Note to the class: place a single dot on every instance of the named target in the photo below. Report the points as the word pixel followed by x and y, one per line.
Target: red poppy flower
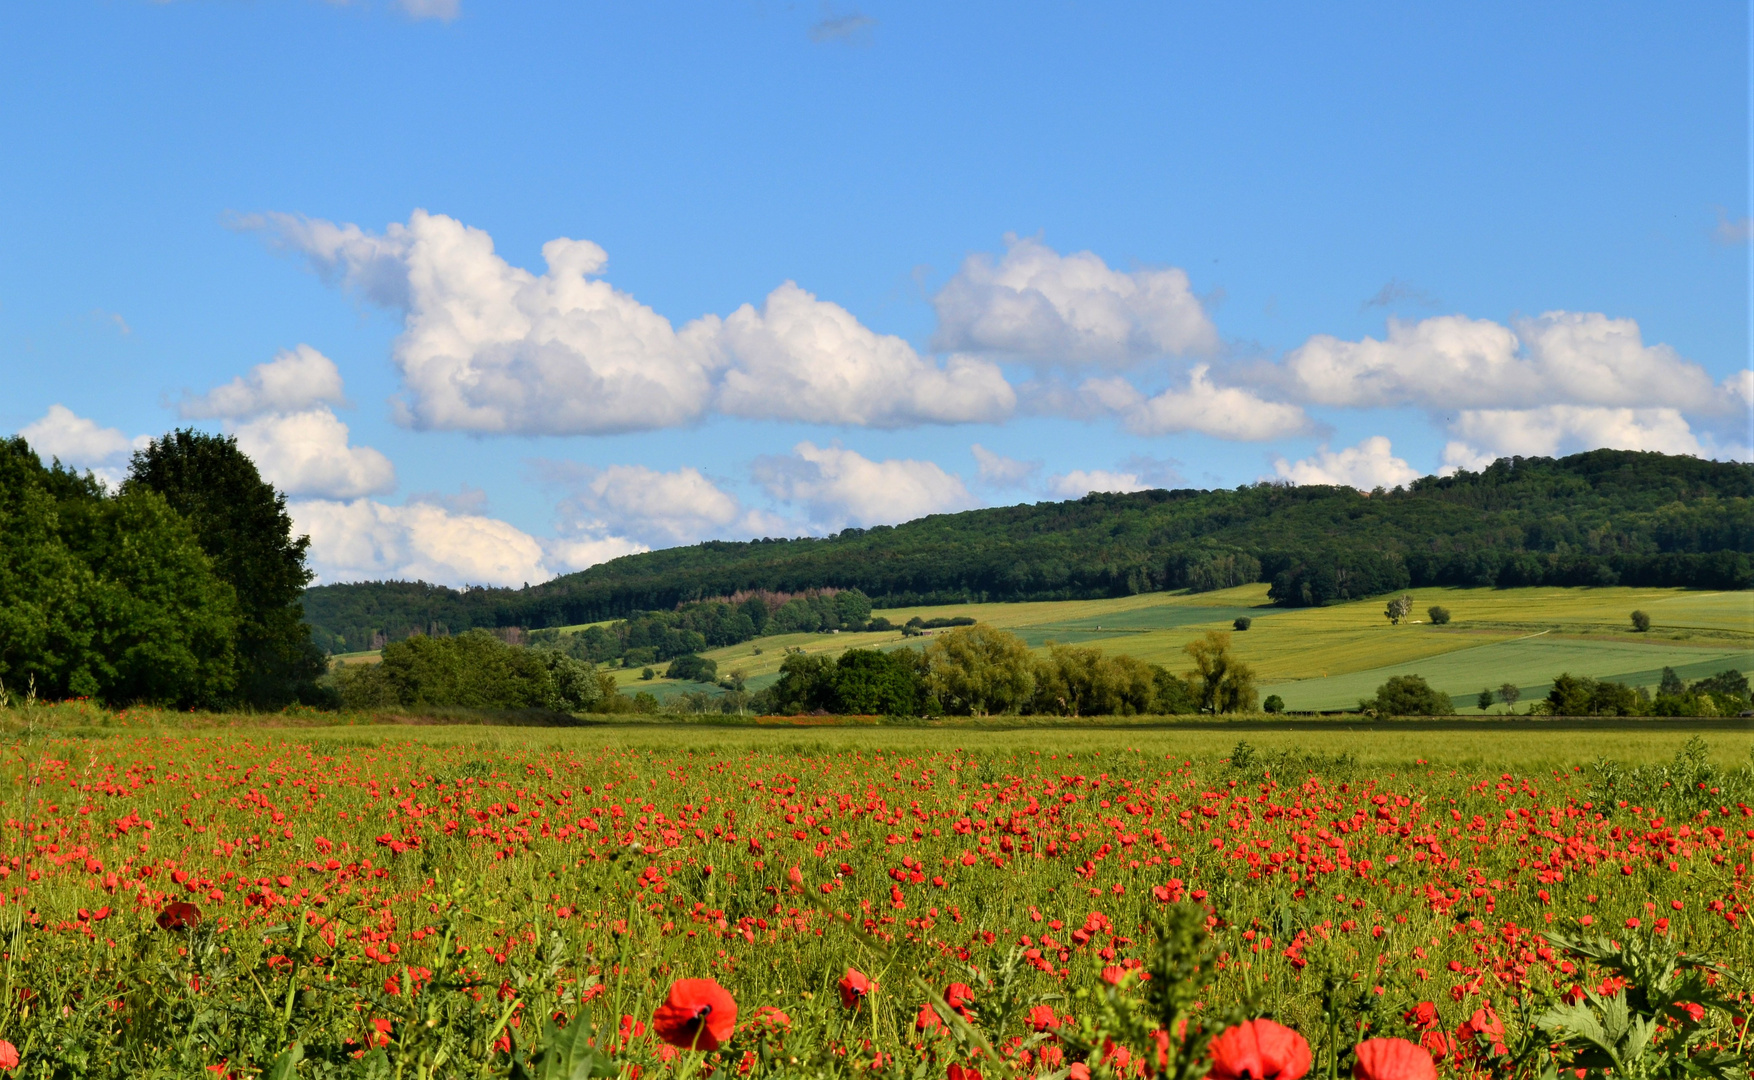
pixel 769 1020
pixel 959 1072
pixel 179 915
pixel 928 1019
pixel 1259 1050
pixel 959 996
pixel 8 1056
pixel 853 988
pixel 697 1014
pixel 1392 1059
pixel 1042 1018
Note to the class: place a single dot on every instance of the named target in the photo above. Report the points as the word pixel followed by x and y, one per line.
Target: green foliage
pixel 1399 608
pixel 1723 694
pixel 1409 695
pixel 102 597
pixel 1604 517
pixel 1221 683
pixel 1484 701
pixel 1654 1025
pixel 1081 681
pixel 1640 621
pixel 978 670
pixel 693 668
pixel 1242 622
pixel 475 671
pixel 241 523
pixel 1582 696
pixel 1438 614
pixel 862 682
pixel 1274 704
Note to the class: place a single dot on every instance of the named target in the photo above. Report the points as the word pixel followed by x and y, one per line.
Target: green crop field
pixel 1330 657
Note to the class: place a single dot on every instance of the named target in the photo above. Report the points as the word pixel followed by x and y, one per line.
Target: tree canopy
pixel 1605 517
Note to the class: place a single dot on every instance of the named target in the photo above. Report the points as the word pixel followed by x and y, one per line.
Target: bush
pixel 1439 615
pixel 473 671
pixel 1243 622
pixel 1640 621
pixel 1574 696
pixel 1274 704
pixel 693 668
pixel 1409 695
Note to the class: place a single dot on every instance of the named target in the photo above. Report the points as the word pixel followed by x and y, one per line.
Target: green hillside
pixel 1597 519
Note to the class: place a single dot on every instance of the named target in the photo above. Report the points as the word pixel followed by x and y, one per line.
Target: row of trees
pixel 979 671
pixel 181 588
pixel 655 636
pixel 1723 694
pixel 477 671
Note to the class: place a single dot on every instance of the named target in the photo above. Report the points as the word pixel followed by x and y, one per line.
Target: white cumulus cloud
pixel 1081 482
pixel 297 378
pixel 491 347
pixel 1367 466
pixel 1036 304
pixel 1450 361
pixel 840 487
pixel 1224 412
pixel 1486 434
pixel 307 453
pixel 81 443
pixel 800 358
pixel 651 506
pixel 364 540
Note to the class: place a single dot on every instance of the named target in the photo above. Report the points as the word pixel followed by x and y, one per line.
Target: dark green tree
pixel 1484 701
pixel 241 523
pixel 1640 621
pixel 1274 704
pixel 1671 683
pixel 1410 695
pixel 1439 615
pixel 165 624
pixel 867 682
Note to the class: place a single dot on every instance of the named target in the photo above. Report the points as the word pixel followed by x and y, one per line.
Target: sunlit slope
pixel 1327 658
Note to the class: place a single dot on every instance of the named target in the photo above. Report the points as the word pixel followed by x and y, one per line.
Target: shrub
pixel 1274 704
pixel 693 668
pixel 472 671
pixel 1409 695
pixel 1575 696
pixel 1640 621
pixel 1439 615
pixel 1243 622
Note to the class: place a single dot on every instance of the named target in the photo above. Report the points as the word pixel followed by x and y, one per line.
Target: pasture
pixel 1329 657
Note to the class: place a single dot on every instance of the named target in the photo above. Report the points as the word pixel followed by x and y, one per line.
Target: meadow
pixel 1328 658
pixel 448 901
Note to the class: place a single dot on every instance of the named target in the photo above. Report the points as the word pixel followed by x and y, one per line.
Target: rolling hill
pixel 1602 518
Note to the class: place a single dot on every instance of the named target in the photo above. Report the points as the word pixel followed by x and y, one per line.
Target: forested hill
pixel 1605 517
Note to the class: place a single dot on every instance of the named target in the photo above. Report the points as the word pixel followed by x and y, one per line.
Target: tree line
pixel 1601 518
pixel 182 587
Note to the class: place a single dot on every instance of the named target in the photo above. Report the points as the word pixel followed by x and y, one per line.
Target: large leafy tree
pixel 241 523
pixel 102 597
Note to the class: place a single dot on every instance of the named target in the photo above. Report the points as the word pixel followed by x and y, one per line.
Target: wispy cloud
pixel 853 28
pixel 1733 231
pixel 1397 293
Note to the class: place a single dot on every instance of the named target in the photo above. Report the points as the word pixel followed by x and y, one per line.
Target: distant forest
pixel 1602 518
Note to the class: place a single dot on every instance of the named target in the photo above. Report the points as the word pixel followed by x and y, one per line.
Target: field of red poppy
pixel 324 904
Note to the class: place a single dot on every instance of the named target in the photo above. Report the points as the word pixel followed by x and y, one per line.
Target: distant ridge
pixel 1599 518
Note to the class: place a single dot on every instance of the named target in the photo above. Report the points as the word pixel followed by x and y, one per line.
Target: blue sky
pixel 1110 245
